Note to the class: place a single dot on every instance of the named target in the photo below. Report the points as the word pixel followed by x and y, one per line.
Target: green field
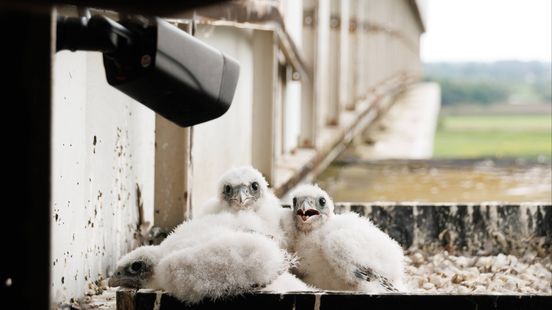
pixel 527 136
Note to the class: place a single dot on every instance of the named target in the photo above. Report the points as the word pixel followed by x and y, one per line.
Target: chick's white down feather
pixel 288 282
pixel 345 251
pixel 230 263
pixel 201 230
pixel 234 263
pixel 267 206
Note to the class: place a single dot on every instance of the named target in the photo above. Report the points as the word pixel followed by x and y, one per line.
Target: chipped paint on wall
pixel 103 148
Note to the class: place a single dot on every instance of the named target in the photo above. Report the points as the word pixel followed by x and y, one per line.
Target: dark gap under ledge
pixel 128 299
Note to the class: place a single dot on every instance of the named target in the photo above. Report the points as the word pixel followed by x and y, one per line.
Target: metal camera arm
pixel 97 33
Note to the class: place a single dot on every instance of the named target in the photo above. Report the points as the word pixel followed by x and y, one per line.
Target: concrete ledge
pixel 477 229
pixel 482 228
pixel 147 300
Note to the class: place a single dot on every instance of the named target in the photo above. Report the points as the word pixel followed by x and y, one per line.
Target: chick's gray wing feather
pixel 367 274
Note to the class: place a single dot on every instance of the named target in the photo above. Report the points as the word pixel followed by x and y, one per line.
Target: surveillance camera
pixel 159 65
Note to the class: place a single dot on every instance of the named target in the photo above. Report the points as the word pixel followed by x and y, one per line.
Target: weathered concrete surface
pixel 102 174
pixel 336 300
pixel 484 228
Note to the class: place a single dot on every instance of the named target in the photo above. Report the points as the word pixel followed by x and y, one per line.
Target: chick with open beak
pixel 311 207
pixel 342 251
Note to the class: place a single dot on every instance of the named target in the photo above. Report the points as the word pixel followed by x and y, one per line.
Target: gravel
pixel 98 296
pixel 435 273
pixel 494 274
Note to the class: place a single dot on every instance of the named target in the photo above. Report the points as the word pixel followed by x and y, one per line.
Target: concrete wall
pixel 103 147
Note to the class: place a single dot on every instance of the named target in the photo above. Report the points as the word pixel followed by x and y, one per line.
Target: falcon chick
pixel 241 188
pixel 342 251
pixel 244 189
pixel 234 263
pixel 136 269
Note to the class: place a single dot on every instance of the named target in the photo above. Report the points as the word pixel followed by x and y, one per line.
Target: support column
pixel 333 109
pixel 265 79
pixel 172 173
pixel 307 136
pixel 353 51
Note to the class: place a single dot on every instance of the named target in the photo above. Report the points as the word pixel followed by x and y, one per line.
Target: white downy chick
pixel 235 262
pixel 244 189
pixel 136 269
pixel 345 251
pixel 239 189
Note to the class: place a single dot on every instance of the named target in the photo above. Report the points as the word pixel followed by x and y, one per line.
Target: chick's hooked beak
pixel 119 279
pixel 307 209
pixel 242 197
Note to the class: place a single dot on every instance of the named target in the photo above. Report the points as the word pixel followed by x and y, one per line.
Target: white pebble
pixel 437 280
pixel 417 258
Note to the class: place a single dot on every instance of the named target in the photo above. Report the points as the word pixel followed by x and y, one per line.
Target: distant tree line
pixel 498 82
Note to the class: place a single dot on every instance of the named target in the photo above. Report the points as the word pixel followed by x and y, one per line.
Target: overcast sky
pixel 487 30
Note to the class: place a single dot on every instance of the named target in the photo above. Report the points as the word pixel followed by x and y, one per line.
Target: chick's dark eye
pixel 136 266
pixel 322 201
pixel 255 186
pixel 294 201
pixel 227 189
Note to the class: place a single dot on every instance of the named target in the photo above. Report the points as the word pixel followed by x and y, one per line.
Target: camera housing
pixel 171 72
